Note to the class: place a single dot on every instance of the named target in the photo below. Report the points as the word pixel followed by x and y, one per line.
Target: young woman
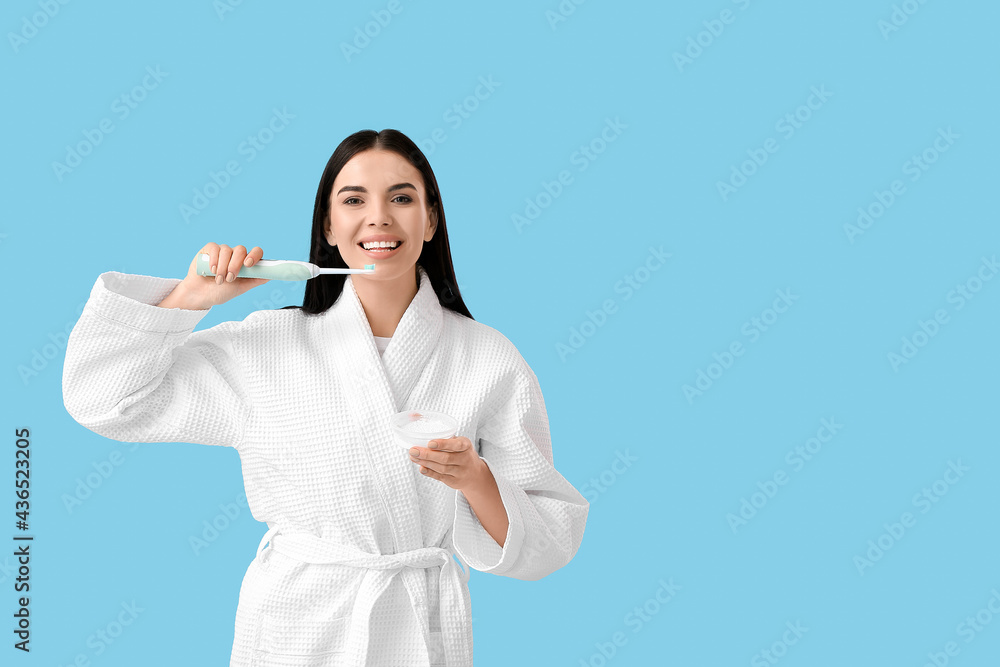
pixel 362 534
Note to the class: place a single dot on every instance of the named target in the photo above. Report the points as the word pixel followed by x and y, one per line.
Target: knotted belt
pixel 381 570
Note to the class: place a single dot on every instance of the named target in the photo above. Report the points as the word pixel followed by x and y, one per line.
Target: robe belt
pixel 382 569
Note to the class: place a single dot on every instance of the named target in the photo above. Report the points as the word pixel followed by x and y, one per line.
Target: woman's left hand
pixel 453 461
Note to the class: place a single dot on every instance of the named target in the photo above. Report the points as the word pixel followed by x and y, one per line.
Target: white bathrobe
pixel 359 569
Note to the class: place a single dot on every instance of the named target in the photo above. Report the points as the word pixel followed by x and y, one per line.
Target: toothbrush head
pixel 369 267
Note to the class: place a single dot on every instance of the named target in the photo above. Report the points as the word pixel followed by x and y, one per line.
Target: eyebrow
pixel 360 188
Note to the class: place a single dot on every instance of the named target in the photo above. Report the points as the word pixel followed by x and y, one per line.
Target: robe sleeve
pixel 546 514
pixel 136 372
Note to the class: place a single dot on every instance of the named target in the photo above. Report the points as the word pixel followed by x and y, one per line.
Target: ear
pixel 432 226
pixel 328 231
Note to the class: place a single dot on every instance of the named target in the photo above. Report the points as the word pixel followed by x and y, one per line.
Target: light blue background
pixel 664 517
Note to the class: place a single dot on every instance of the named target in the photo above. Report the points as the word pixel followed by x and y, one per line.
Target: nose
pixel 379 216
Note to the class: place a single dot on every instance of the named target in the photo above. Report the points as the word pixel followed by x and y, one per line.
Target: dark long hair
pixel 435 257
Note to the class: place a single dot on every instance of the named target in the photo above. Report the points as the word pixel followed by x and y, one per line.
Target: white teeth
pixel 380 244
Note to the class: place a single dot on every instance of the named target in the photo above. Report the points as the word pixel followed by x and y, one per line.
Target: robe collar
pixel 411 344
pixel 375 388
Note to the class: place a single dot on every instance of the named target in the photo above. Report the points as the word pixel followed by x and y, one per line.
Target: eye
pixel 406 197
pixel 350 198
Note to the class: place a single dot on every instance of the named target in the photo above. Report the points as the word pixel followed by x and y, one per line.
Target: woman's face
pixel 379 196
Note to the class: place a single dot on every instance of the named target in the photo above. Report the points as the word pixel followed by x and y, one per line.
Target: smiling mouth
pixel 380 247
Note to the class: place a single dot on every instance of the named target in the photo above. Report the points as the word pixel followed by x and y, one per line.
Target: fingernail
pixel 414 452
pixel 213 268
pixel 229 277
pixel 433 444
pixel 247 261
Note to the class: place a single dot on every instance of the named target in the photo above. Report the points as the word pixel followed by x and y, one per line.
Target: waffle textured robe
pixel 365 560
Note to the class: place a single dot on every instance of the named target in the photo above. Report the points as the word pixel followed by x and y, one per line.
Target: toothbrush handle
pixel 272 269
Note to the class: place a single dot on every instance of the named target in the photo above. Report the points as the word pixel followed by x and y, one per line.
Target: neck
pixel 385 301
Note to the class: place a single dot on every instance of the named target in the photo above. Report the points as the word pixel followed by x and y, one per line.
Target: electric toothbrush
pixel 279 269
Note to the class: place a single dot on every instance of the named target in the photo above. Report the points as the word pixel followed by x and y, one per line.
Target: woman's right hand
pixel 202 292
